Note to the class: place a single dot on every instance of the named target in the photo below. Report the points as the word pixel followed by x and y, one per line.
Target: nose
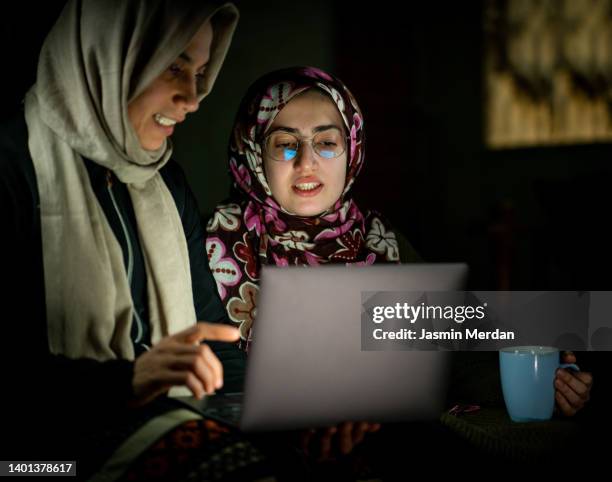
pixel 186 96
pixel 306 158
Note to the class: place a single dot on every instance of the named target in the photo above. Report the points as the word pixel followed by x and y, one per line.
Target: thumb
pixel 568 357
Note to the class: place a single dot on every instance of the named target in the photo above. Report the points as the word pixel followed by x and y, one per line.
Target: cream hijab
pixel 98 57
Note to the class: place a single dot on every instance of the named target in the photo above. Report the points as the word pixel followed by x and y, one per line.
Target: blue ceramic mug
pixel 527 378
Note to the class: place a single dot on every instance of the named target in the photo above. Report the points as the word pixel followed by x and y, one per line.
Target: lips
pixel 166 121
pixel 166 124
pixel 307 186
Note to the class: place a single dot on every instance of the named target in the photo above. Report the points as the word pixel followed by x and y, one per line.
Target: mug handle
pixel 571 366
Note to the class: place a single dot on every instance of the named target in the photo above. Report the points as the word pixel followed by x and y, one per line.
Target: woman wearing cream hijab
pixel 103 241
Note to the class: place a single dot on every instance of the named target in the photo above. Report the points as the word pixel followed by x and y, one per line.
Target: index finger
pixel 208 331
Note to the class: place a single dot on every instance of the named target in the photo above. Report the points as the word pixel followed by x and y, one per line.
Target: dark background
pixel 523 218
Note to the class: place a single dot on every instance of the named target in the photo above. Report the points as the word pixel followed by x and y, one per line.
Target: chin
pixel 308 212
pixel 152 145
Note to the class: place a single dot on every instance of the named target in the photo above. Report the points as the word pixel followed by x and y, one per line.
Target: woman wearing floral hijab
pixel 296 150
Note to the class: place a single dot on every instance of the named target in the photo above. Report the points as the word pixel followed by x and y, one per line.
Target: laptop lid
pixel 306 367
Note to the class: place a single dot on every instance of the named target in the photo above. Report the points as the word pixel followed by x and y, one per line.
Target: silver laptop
pixel 306 367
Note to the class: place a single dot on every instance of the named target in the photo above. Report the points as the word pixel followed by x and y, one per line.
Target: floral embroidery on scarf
pixel 294 240
pixel 251 218
pixel 226 215
pixel 225 270
pixel 241 174
pixel 333 232
pixel 382 241
pixel 350 246
pixel 370 260
pixel 243 308
pixel 337 98
pixel 253 155
pixel 245 252
pixel 280 260
pixel 337 214
pixel 347 216
pixel 271 215
pixel 275 99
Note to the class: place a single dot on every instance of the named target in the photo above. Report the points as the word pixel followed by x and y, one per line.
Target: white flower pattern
pixel 225 270
pixel 254 158
pixel 226 215
pixel 381 241
pixel 275 100
pixel 337 97
pixel 294 240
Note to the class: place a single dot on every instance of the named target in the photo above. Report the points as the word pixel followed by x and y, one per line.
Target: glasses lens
pixel 282 146
pixel 329 144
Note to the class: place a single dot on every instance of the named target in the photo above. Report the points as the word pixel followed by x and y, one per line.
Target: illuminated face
pixel 173 94
pixel 306 178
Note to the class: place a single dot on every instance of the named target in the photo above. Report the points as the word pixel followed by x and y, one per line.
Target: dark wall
pixel 523 219
pixel 417 76
pixel 23 27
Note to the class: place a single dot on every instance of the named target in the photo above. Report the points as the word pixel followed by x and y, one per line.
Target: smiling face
pixel 310 183
pixel 173 94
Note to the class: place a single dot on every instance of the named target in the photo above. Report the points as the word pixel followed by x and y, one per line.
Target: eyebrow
pixel 316 130
pixel 188 59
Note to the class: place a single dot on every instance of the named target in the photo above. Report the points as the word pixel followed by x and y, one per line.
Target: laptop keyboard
pixel 223 408
pixel 230 413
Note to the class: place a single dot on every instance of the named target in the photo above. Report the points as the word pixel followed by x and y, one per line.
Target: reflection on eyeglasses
pixel 284 146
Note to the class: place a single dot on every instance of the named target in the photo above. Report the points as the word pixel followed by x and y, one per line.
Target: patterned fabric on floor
pixel 201 450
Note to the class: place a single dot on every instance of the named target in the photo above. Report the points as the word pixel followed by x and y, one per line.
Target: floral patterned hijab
pixel 253 229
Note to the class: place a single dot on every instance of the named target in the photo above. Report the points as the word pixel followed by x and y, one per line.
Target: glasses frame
pixel 303 141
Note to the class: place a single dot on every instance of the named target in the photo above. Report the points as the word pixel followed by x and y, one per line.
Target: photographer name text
pixel 414 313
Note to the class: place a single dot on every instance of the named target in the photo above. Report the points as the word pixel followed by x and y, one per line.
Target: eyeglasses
pixel 284 146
